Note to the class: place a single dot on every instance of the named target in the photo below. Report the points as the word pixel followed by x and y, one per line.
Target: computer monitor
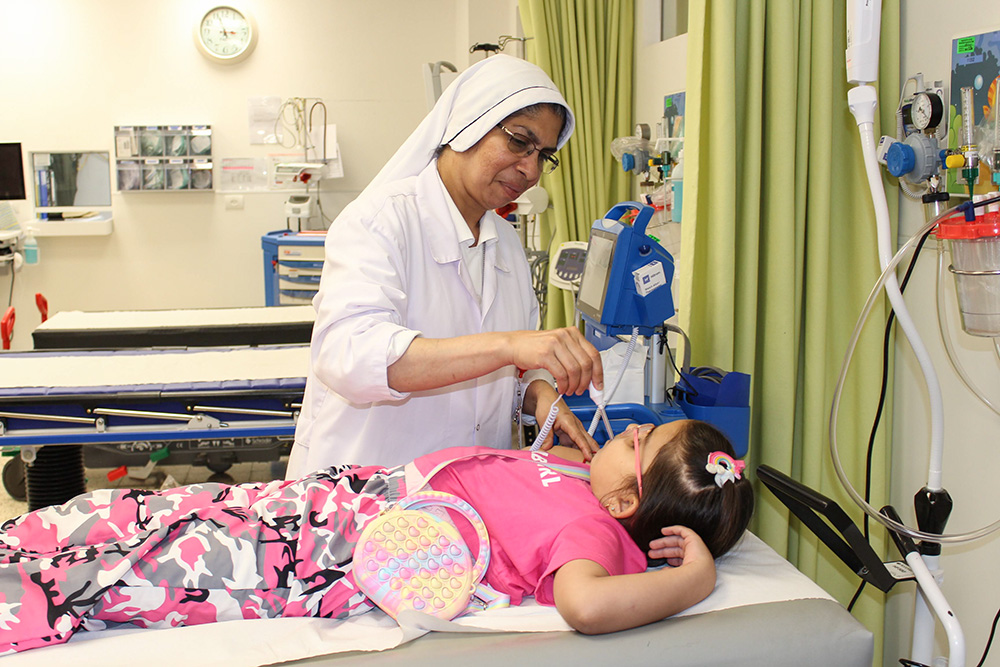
pixel 11 172
pixel 596 273
pixel 626 278
pixel 71 182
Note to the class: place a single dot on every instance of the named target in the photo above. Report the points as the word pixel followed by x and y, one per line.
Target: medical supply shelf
pixel 293 263
pixel 163 158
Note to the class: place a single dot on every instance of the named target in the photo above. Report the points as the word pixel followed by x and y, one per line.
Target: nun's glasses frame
pixel 522 146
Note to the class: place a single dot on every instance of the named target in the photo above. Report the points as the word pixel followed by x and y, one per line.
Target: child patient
pixel 213 552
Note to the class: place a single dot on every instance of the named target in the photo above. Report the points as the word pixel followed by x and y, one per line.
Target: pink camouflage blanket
pixel 195 554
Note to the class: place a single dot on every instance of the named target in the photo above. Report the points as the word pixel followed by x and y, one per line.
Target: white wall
pixel 971 453
pixel 73 69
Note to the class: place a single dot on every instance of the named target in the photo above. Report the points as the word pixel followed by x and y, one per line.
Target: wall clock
pixel 225 34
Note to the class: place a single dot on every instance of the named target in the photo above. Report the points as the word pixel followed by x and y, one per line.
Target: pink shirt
pixel 538 519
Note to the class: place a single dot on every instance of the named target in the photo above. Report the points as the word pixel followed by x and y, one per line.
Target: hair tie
pixel 724 467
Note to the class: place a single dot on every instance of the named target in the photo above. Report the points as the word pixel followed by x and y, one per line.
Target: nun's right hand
pixel 573 362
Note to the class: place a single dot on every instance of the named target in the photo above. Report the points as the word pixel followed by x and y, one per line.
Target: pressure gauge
pixel 926 111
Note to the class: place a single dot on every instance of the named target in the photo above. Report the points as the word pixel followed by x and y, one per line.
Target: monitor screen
pixel 74 180
pixel 11 172
pixel 596 272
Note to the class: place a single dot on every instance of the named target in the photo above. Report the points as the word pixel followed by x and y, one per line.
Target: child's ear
pixel 622 504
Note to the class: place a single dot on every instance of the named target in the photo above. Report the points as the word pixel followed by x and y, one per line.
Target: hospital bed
pixel 199 327
pixel 173 405
pixel 182 328
pixel 763 611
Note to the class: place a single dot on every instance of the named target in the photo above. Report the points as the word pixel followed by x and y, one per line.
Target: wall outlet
pixel 234 202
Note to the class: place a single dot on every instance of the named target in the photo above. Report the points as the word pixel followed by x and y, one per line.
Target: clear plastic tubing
pixel 901 528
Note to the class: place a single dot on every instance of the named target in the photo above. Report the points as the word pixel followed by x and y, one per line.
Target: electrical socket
pixel 234 202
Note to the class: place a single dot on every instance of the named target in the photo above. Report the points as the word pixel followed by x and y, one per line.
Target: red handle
pixel 7 327
pixel 43 305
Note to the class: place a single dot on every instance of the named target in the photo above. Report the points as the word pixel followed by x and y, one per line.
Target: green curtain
pixel 778 250
pixel 586 47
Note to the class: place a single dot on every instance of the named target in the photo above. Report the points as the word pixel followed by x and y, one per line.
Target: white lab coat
pixel 393 271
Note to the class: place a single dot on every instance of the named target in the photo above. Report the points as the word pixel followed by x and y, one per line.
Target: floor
pixel 161 477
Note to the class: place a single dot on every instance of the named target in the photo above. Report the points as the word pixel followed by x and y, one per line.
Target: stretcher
pixel 200 327
pixel 763 611
pixel 202 405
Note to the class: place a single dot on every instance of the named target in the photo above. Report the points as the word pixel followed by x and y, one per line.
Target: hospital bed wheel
pixel 55 476
pixel 217 462
pixel 14 481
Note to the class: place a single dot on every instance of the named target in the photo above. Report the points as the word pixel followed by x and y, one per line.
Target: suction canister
pixel 975 263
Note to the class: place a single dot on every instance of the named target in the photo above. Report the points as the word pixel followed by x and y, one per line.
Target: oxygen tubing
pixel 901 528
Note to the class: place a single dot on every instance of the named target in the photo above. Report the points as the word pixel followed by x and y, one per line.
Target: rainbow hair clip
pixel 724 467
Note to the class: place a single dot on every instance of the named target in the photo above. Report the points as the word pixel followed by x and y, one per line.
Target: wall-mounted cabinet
pixel 163 158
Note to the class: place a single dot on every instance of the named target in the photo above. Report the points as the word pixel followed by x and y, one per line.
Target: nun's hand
pixel 573 362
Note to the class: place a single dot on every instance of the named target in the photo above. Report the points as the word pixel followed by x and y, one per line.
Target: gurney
pixel 762 612
pixel 200 327
pixel 210 404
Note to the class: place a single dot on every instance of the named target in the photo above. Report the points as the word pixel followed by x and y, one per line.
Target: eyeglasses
pixel 638 460
pixel 522 146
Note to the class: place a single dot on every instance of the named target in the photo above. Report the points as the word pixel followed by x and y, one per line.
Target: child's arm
pixel 594 602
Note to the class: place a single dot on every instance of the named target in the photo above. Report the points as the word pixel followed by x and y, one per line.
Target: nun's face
pixel 489 175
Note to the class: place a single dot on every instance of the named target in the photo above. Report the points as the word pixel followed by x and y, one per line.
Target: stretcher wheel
pixel 55 476
pixel 221 462
pixel 14 481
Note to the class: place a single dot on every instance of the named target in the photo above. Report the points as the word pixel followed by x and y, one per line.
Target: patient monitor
pixel 627 275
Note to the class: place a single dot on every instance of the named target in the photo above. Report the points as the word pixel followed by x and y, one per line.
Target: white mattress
pixel 143 368
pixel 751 574
pixel 127 319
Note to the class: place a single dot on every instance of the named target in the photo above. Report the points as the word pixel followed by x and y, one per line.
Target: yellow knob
pixel 954 161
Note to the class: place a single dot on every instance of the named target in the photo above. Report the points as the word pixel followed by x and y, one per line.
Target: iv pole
pixel 932 503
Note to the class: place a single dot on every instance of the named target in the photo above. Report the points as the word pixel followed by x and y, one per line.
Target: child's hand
pixel 679 546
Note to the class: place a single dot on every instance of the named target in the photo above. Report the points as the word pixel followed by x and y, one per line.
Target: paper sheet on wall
pixel 242 174
pixel 263 119
pixel 325 145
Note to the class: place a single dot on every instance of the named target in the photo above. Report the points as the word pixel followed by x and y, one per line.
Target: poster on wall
pixel 673 115
pixel 975 65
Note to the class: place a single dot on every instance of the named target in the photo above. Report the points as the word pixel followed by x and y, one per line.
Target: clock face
pixel 225 34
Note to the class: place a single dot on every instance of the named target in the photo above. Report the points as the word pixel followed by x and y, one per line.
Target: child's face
pixel 615 461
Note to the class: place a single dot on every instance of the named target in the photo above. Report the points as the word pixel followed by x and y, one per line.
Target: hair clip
pixel 724 467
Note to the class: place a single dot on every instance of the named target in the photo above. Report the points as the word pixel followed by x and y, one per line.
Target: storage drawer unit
pixel 293 263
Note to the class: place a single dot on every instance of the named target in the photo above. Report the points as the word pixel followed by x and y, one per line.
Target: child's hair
pixel 678 490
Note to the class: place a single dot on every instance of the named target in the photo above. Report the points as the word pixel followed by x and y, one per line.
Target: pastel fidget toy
pixel 408 559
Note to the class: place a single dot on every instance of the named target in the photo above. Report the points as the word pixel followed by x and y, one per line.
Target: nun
pixel 426 321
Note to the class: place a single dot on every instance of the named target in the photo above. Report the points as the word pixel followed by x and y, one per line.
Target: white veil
pixel 474 103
